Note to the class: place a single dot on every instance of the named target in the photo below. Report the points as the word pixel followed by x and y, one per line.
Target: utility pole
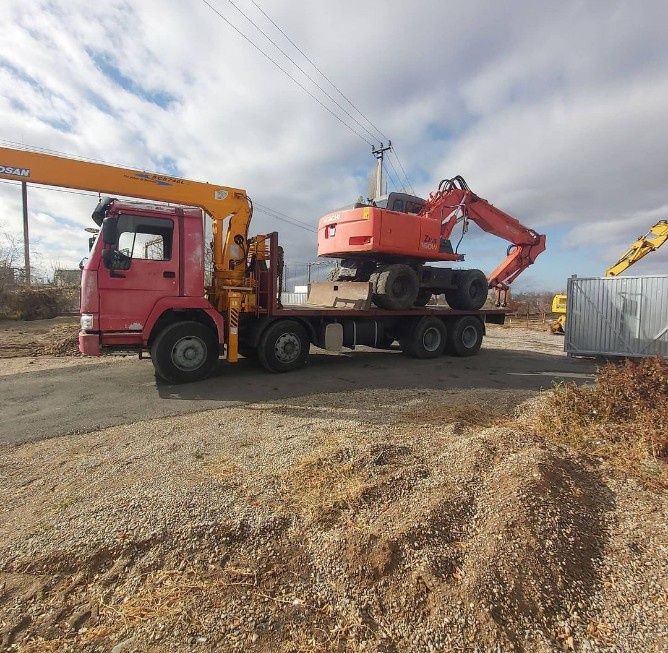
pixel 308 267
pixel 26 237
pixel 379 153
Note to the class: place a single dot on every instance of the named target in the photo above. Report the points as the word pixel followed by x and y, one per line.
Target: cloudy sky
pixel 554 111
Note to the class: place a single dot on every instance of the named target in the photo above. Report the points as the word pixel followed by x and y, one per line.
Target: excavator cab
pixel 401 202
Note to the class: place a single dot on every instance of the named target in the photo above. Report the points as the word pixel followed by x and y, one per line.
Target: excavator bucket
pixel 340 294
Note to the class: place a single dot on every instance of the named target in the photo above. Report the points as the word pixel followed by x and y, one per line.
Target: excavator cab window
pixel 402 202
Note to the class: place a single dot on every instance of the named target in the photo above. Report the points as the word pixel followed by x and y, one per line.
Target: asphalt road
pixel 78 399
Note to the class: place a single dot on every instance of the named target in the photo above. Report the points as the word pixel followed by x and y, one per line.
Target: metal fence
pixel 293 298
pixel 617 316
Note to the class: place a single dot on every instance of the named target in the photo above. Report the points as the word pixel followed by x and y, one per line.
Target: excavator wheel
pixel 471 291
pixel 395 286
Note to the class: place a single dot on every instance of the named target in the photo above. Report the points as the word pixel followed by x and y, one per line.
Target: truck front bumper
pixel 89 343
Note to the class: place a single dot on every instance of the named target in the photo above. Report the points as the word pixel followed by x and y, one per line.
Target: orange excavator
pixel 388 241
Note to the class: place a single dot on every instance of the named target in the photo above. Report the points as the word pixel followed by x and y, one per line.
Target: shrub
pixel 623 418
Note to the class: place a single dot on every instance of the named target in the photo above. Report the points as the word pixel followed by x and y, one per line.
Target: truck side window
pixel 398 205
pixel 145 238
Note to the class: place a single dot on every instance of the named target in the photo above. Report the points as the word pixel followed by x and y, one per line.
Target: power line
pixel 296 65
pixel 393 179
pixel 400 184
pixel 283 218
pixel 401 165
pixel 331 83
pixel 287 73
pixel 334 86
pixel 260 208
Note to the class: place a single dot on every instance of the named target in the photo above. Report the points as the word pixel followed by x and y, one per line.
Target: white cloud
pixel 552 111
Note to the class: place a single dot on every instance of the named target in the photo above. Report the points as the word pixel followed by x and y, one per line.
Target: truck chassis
pixel 280 336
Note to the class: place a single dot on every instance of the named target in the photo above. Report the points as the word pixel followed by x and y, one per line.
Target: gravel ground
pixel 387 521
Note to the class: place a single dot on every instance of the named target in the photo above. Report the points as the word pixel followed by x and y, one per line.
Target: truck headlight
pixel 87 322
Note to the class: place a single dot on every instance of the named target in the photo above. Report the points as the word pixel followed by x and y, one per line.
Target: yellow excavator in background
pixel 650 242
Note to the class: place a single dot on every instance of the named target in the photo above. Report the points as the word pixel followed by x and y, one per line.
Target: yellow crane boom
pixel 220 202
pixel 650 242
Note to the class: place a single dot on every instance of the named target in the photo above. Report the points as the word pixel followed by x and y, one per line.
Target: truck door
pixel 127 296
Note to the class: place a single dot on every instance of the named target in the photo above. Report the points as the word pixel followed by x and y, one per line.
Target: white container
pixel 617 316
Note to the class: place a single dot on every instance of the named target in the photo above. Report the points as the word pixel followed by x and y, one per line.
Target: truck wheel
pixel 423 297
pixel 184 352
pixel 427 339
pixel 471 291
pixel 395 286
pixel 284 346
pixel 464 336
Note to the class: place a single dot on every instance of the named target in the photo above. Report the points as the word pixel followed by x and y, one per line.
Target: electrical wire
pixel 296 65
pixel 401 165
pixel 378 131
pixel 333 85
pixel 258 207
pixel 284 218
pixel 286 73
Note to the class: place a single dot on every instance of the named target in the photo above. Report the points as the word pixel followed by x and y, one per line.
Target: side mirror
pixel 115 260
pixel 110 231
pixel 91 242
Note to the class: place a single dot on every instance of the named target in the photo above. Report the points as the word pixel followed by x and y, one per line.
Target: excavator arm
pixel 650 242
pixel 220 202
pixel 454 202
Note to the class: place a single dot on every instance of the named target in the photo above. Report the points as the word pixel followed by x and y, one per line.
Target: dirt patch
pixel 350 528
pixel 54 337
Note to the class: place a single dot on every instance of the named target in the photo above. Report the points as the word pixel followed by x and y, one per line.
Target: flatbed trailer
pixel 185 336
pixel 280 336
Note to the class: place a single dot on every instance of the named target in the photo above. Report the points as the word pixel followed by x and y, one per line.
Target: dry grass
pixel 623 418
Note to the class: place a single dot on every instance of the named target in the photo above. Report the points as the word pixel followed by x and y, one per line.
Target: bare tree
pixel 10 248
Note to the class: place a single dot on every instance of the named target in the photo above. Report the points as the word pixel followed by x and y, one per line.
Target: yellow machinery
pixel 231 291
pixel 650 242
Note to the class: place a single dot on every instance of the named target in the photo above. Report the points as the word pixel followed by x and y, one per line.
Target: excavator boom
pixel 454 201
pixel 650 242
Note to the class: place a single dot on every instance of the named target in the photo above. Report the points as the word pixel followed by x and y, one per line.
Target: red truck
pixel 143 285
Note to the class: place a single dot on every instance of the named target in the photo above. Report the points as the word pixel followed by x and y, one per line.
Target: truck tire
pixel 464 336
pixel 184 351
pixel 427 339
pixel 284 346
pixel 471 291
pixel 395 286
pixel 423 297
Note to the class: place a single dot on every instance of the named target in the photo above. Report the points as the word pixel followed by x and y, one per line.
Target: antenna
pixel 379 153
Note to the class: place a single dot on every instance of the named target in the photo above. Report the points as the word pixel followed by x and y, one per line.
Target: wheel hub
pixel 189 353
pixel 431 339
pixel 287 348
pixel 469 337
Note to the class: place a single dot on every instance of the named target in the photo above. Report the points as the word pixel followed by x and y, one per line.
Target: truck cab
pixel 145 267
